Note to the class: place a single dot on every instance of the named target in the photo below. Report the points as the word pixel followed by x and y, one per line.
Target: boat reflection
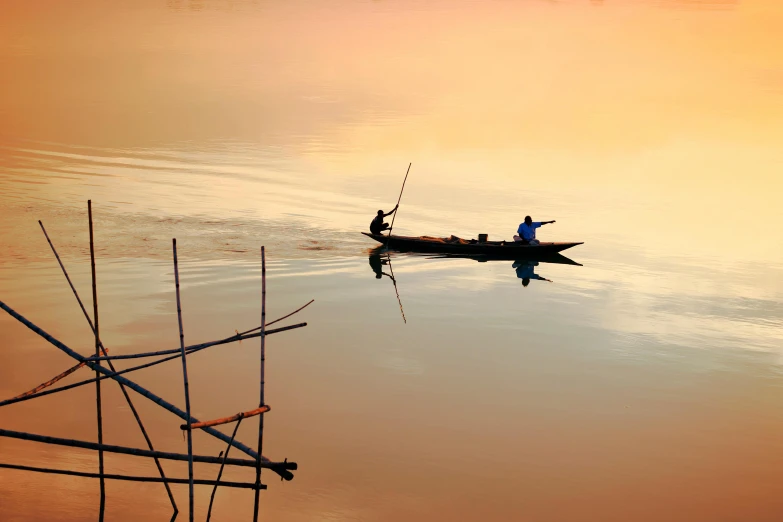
pixel 380 258
pixel 525 268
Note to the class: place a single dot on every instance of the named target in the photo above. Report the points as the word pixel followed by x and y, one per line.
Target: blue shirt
pixel 526 270
pixel 528 232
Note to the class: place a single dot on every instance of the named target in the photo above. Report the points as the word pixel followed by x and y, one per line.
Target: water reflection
pixel 377 262
pixel 526 271
pixel 526 268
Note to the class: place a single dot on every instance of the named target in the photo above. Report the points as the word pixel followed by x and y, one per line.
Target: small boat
pixel 455 245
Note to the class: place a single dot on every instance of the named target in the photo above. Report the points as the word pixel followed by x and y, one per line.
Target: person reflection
pixel 376 263
pixel 526 271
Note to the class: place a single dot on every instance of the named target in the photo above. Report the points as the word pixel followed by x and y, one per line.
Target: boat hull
pixel 493 249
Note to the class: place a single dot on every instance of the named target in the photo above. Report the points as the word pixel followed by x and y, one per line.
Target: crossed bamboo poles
pixel 283 469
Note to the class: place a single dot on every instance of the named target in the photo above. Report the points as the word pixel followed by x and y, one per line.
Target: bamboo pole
pixel 391 227
pixel 50 382
pixel 201 482
pixel 69 371
pixel 286 475
pixel 395 289
pixel 226 420
pixel 197 347
pixel 185 379
pixel 104 350
pixel 137 452
pixel 96 331
pixel 281 318
pixel 112 375
pixel 220 471
pixel 263 364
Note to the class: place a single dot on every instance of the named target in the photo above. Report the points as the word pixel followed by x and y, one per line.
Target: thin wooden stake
pixel 111 367
pixel 185 379
pixel 136 452
pixel 220 472
pixel 242 485
pixel 113 374
pixel 226 420
pixel 196 347
pixel 97 373
pixel 263 363
pixel 46 384
pixel 281 318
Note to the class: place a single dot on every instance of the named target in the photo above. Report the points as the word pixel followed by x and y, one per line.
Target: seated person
pixel 377 225
pixel 527 231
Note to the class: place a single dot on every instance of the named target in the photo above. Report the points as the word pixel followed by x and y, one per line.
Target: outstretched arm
pixel 392 211
pixel 547 222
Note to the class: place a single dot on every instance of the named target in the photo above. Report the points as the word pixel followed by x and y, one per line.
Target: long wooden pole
pixel 97 373
pixel 220 472
pixel 243 485
pixel 241 336
pixel 113 374
pixel 185 379
pixel 262 383
pixel 282 471
pixel 398 201
pixel 399 301
pixel 196 347
pixel 44 385
pixel 226 420
pixel 123 450
pixel 280 318
pixel 111 367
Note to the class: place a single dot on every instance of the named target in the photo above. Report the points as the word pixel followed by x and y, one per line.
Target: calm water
pixel 645 385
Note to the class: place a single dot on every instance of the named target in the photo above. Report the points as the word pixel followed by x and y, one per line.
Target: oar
pixel 398 203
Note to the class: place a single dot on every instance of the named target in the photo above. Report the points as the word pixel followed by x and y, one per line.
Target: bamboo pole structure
pixel 220 471
pixel 263 364
pixel 104 350
pixel 185 379
pixel 283 469
pixel 96 331
pixel 286 475
pixel 201 482
pixel 137 452
pixel 226 420
pixel 112 375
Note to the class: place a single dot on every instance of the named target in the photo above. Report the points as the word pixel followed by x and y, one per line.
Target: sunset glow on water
pixel 644 385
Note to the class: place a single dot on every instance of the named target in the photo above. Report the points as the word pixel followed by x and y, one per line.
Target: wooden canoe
pixel 452 245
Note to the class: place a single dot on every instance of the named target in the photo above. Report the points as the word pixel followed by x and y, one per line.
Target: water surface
pixel 643 385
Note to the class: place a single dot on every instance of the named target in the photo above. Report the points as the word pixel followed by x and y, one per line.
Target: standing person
pixel 377 225
pixel 527 231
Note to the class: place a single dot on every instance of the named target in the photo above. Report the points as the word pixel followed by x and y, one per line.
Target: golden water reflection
pixel 644 385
